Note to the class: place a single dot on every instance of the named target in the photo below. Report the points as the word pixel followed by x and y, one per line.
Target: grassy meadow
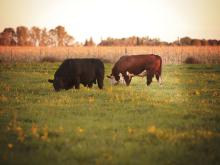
pixel 178 123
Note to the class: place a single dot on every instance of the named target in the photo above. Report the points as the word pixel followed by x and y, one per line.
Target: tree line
pixel 35 36
pixel 132 41
pixel 146 41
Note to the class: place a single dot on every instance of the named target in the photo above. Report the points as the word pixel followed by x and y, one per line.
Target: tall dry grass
pixel 169 54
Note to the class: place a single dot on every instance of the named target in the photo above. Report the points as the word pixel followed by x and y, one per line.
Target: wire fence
pixel 169 54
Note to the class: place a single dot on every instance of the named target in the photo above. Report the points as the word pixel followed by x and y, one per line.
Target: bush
pixel 191 60
pixel 105 60
pixel 50 59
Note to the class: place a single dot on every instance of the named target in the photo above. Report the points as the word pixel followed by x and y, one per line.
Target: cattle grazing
pixel 137 65
pixel 72 72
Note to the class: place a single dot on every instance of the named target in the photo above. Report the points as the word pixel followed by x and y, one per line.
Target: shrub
pixel 105 60
pixel 191 60
pixel 50 59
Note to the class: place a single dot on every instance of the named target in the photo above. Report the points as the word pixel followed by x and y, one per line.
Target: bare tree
pixel 35 35
pixel 185 41
pixel 8 37
pixel 68 40
pixel 204 42
pixel 213 42
pixel 196 42
pixel 52 38
pixel 23 36
pixel 89 42
pixel 44 37
pixel 60 30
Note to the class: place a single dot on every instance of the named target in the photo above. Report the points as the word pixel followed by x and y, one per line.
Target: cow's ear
pixel 50 81
pixel 109 76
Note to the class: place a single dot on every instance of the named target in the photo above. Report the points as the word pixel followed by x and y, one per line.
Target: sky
pixel 99 19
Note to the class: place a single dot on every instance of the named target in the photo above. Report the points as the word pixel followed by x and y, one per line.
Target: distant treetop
pixel 36 37
pixel 58 36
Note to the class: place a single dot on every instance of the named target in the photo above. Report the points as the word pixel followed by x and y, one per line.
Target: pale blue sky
pixel 166 19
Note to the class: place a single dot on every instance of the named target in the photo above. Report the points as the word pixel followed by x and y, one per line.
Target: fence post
pixel 68 53
pixel 88 54
pixel 98 53
pixel 11 55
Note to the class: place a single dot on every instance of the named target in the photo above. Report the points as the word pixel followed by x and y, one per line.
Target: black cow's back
pixel 87 71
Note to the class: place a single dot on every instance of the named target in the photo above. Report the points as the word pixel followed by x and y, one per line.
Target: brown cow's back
pixel 130 63
pixel 136 64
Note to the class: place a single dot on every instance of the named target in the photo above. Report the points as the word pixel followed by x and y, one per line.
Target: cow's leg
pixel 150 76
pixel 127 79
pixel 90 85
pixel 159 79
pixel 100 82
pixel 122 80
pixel 77 83
pixel 100 78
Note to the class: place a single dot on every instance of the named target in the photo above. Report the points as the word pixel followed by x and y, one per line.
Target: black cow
pixel 72 72
pixel 134 65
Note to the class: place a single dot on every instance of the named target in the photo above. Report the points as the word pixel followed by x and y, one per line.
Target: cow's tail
pixel 160 71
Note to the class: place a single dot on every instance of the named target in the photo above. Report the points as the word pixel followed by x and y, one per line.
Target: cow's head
pixel 57 83
pixel 114 80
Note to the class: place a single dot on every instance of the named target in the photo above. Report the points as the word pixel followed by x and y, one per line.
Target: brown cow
pixel 137 65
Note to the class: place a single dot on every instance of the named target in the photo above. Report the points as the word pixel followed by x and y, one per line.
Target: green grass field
pixel 178 123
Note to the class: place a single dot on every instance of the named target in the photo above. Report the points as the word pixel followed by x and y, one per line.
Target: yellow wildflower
pixel 91 99
pixel 151 129
pixel 197 92
pixel 130 130
pixel 44 137
pixel 20 133
pixel 114 136
pixel 80 130
pixel 34 130
pixel 10 146
pixel 60 129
